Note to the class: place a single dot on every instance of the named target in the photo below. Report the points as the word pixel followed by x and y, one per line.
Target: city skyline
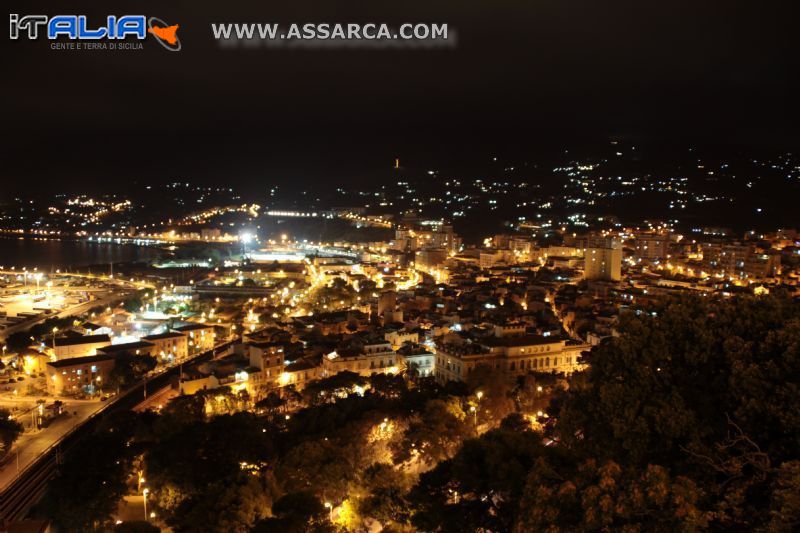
pixel 451 267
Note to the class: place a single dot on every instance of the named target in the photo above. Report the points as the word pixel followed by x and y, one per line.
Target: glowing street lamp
pixel 145 492
pixel 245 238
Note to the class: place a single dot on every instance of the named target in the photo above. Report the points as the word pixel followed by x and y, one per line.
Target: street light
pixel 245 238
pixel 479 396
pixel 145 492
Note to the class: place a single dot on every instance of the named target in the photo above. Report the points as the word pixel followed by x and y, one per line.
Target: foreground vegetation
pixel 688 420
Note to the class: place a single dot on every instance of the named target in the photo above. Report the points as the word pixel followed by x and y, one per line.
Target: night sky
pixel 525 75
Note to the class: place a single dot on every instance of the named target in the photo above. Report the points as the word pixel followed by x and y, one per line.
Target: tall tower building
pixel 603 260
pixel 387 301
pixel 652 246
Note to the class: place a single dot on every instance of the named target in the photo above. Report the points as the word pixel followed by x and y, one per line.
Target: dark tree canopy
pixel 688 420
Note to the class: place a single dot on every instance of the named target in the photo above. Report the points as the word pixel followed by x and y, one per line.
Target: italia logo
pixel 76 27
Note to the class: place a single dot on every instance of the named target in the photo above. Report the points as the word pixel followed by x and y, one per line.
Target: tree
pixel 685 421
pixel 296 512
pixel 480 487
pixel 666 382
pixel 435 434
pixel 785 504
pixel 387 385
pixel 136 526
pixel 135 302
pixel 22 339
pixel 704 391
pixel 129 368
pixel 10 430
pixel 179 412
pixel 606 497
pixel 320 466
pixel 271 403
pixel 233 505
pixel 192 463
pixel 328 389
pixel 384 489
pixel 91 480
pixel 366 287
pixel 495 390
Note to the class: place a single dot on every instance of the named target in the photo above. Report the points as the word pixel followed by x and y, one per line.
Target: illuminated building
pixel 387 301
pixel 267 358
pixel 79 374
pixel 299 374
pixel 651 246
pixel 603 260
pixel 373 358
pixel 169 344
pixel 201 336
pixel 739 260
pixel 515 355
pixel 69 347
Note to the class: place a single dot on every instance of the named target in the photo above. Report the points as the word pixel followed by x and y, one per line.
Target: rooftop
pixel 167 335
pixel 86 339
pixel 298 366
pixel 124 347
pixel 193 327
pixel 77 361
pixel 522 340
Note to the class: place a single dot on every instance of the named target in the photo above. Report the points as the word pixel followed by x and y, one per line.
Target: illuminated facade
pixel 69 347
pixel 169 345
pixel 79 374
pixel 201 336
pixel 375 358
pixel 603 261
pixel 514 355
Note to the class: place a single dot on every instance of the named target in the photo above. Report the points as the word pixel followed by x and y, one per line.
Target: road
pixel 564 326
pixel 131 508
pixel 24 475
pixel 31 444
pixel 157 399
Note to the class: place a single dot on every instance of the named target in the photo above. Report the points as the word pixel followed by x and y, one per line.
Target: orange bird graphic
pixel 167 34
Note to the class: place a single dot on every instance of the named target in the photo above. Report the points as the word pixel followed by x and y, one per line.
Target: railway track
pixel 31 484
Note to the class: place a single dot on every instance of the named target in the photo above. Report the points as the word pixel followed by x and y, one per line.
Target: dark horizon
pixel 522 80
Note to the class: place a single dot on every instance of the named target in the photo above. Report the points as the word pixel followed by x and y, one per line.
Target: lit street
pixel 32 444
